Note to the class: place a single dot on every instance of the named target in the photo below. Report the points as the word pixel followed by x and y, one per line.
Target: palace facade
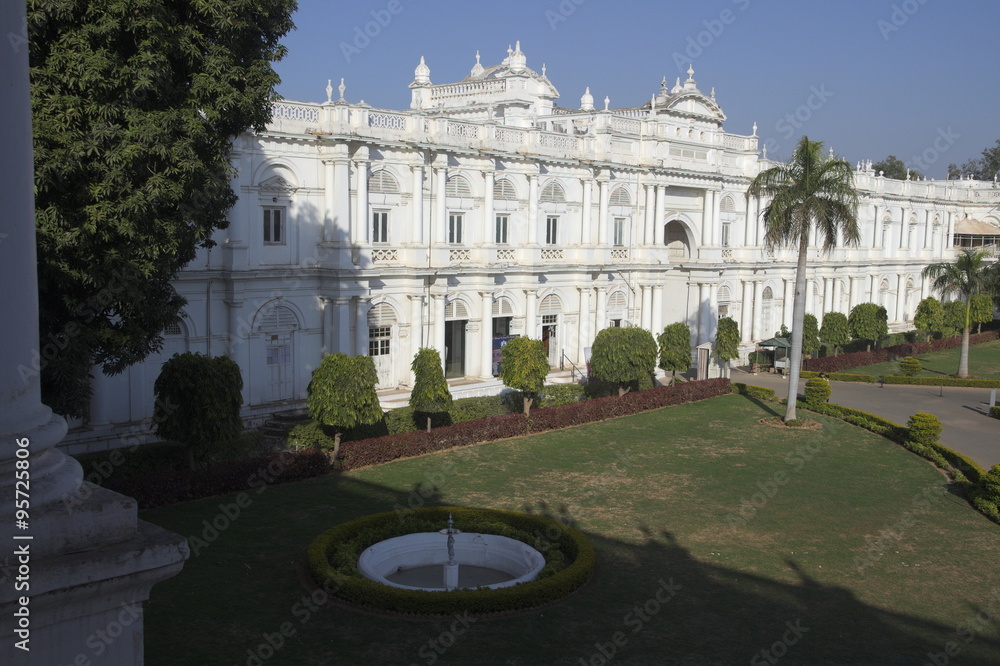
pixel 486 210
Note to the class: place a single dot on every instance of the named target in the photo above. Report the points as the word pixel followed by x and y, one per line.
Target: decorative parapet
pixel 384 255
pixel 552 254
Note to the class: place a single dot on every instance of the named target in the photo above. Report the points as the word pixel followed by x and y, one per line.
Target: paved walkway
pixel 964 412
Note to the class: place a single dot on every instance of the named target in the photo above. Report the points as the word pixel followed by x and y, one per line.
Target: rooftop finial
pixel 607 100
pixel 543 69
pixel 587 101
pixel 663 86
pixel 329 91
pixel 518 60
pixel 690 84
pixel 478 68
pixel 341 88
pixel 755 129
pixel 691 72
pixel 422 73
pixel 713 93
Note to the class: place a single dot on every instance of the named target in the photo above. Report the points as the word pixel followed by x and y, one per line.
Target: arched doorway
pixel 456 318
pixel 676 239
pixel 278 326
pixel 549 310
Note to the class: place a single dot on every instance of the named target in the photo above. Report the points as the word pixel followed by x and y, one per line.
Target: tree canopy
pixel 675 348
pixel 623 356
pixel 813 191
pixel 727 339
pixel 810 334
pixel 983 168
pixel 893 167
pixel 523 367
pixel 135 104
pixel 929 316
pixel 835 331
pixel 341 394
pixel 981 310
pixel 868 321
pixel 430 393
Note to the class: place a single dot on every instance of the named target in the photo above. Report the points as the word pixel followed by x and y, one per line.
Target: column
pixel 645 317
pixel 90 556
pixel 704 312
pixel 588 205
pixel 900 297
pixel 746 311
pixel 326 343
pixel 600 311
pixel 657 309
pixel 810 296
pixel 360 234
pixel 341 196
pixel 238 347
pixel 486 336
pixel 925 287
pixel 417 232
pixel 488 233
pixel 928 230
pixel 533 209
pixel 837 297
pixel 440 223
pixel 706 218
pixel 343 306
pixel 329 201
pixel 904 230
pixel 873 297
pixel 529 313
pixel 584 336
pixel 650 215
pixel 827 296
pixel 788 301
pixel 437 325
pixel 602 213
pixel 661 195
pixel 877 229
pixel 852 298
pixel 758 301
pixel 361 326
pixel 416 323
pixel 717 219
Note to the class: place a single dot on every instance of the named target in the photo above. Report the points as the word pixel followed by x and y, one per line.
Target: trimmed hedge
pixel 550 536
pixel 752 391
pixel 862 358
pixel 995 412
pixel 164 488
pixel 943 381
pixel 383 449
pixel 817 391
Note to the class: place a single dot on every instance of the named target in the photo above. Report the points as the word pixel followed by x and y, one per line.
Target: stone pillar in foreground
pixel 81 562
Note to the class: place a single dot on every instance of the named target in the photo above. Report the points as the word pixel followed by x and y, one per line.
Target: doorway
pixel 454 348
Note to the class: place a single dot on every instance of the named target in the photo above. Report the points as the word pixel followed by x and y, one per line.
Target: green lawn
pixel 984 363
pixel 855 542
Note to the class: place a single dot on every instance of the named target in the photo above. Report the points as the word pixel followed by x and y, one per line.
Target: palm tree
pixel 967 276
pixel 811 191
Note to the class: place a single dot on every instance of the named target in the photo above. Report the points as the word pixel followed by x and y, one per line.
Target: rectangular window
pixel 379 340
pixel 501 233
pixel 617 323
pixel 380 226
pixel 725 233
pixel 619 231
pixel 455 228
pixel 274 226
pixel 551 230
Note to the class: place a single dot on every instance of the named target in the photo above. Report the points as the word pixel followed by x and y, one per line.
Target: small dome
pixel 422 73
pixel 517 59
pixel 587 101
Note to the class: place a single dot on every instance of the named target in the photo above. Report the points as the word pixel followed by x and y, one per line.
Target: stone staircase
pixel 276 428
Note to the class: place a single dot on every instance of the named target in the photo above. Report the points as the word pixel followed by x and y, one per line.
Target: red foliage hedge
pixel 153 490
pixel 859 359
pixel 377 450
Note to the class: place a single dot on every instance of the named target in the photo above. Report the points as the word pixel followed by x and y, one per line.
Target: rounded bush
pixel 910 367
pixel 817 391
pixel 923 428
pixel 569 559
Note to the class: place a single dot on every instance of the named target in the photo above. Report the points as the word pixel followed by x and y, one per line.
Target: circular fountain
pixel 449 560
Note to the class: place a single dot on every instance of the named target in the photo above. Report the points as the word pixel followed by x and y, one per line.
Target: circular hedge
pixel 569 558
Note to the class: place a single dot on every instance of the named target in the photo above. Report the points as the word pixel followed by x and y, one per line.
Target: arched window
pixel 173 328
pixel 383 182
pixel 724 294
pixel 458 187
pixel 553 193
pixel 503 190
pixel 382 314
pixel 550 305
pixel 620 197
pixel 278 318
pixel 502 307
pixel 727 205
pixel 767 295
pixel 617 302
pixel 456 311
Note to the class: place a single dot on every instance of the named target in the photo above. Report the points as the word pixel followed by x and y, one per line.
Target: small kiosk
pixel 779 349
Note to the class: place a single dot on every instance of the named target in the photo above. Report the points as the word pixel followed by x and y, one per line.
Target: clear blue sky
pixel 902 77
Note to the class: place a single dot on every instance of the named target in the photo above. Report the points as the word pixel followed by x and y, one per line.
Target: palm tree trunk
pixel 798 316
pixel 963 360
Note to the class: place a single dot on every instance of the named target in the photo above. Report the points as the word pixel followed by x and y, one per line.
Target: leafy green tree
pixel 523 367
pixel 813 191
pixel 929 316
pixel 623 356
pixel 341 394
pixel 430 394
pixel 135 105
pixel 983 168
pixel 810 334
pixel 198 401
pixel 981 310
pixel 868 321
pixel 675 349
pixel 954 319
pixel 727 341
pixel 966 276
pixel 835 331
pixel 893 167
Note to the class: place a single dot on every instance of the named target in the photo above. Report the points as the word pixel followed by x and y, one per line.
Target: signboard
pixel 498 342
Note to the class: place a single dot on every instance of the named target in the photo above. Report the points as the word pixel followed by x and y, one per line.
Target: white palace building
pixel 486 210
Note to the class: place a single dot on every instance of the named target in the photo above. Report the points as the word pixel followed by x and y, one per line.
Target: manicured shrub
pixel 923 428
pixel 523 366
pixel 986 495
pixel 623 356
pixel 749 390
pixel 794 423
pixel 943 381
pixel 817 391
pixel 430 394
pixel 910 367
pixel 995 412
pixel 858 359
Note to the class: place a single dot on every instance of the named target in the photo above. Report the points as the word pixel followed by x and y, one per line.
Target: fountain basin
pixel 416 561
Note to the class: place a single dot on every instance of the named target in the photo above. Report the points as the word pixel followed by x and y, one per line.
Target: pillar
pixel 529 313
pixel 90 556
pixel 827 297
pixel 600 311
pixel 587 213
pixel 342 196
pixel 361 326
pixel 437 324
pixel 706 218
pixel 489 223
pixel 837 297
pixel 746 311
pixel 416 329
pixel 904 230
pixel 704 311
pixel 329 201
pixel 810 297
pixel 417 231
pixel 486 336
pixel 646 319
pixel 584 336
pixel 343 308
pixel 877 229
pixel 717 219
pixel 900 297
pixel 533 209
pixel 602 213
pixel 657 309
pixel 360 233
pixel 326 344
pixel 852 298
pixel 649 226
pixel 788 301
pixel 440 223
pixel 873 298
pixel 758 301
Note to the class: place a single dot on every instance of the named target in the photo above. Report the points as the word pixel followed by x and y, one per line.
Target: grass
pixel 852 538
pixel 984 363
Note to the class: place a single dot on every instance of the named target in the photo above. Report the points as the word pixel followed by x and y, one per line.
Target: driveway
pixel 964 412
